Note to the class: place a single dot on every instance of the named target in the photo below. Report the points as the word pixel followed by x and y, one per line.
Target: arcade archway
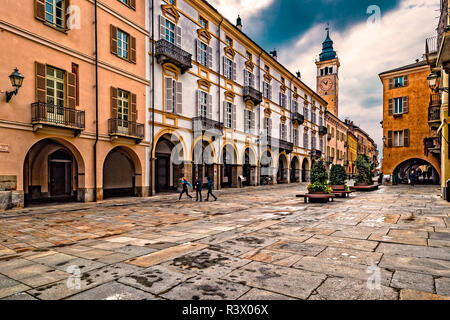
pixel 295 170
pixel 424 172
pixel 305 170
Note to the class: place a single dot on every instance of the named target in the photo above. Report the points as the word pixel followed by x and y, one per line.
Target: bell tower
pixel 328 75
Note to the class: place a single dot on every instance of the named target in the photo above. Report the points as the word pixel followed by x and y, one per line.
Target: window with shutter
pixel 391 107
pixel 391 83
pixel 209 106
pixel 247 121
pixel 179 97
pixel 169 95
pixel 405 105
pixel 234 116
pixel 406 138
pixel 52 12
pixel 113 40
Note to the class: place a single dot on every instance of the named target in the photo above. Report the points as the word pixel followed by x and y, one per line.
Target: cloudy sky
pixel 365 48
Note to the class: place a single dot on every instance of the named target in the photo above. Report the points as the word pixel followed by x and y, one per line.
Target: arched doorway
pixel 425 172
pixel 305 170
pixel 228 172
pixel 119 175
pixel 169 164
pixel 249 167
pixel 283 170
pixel 266 176
pixel 203 157
pixel 50 173
pixel 295 170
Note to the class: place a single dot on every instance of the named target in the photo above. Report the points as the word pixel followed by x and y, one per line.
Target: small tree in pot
pixel 364 173
pixel 338 176
pixel 319 178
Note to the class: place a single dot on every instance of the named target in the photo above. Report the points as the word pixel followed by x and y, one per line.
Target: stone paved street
pixel 252 244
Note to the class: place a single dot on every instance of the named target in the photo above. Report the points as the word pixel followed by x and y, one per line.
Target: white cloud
pixel 245 8
pixel 365 52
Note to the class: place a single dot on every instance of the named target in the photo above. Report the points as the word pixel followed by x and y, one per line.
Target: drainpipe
pixel 153 98
pixel 219 172
pixel 96 102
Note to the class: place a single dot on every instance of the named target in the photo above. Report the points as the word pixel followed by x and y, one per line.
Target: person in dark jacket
pixel 184 184
pixel 210 189
pixel 412 177
pixel 198 186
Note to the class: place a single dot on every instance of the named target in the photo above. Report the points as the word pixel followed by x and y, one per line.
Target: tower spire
pixel 328 52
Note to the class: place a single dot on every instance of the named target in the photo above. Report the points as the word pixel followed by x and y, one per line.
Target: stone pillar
pixel 237 171
pixel 288 173
pixel 153 176
pixel 187 168
pixel 217 178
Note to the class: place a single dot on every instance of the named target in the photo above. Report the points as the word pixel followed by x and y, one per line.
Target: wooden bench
pixel 341 193
pixel 365 187
pixel 316 196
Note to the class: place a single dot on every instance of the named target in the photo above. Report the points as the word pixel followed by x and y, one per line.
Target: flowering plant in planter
pixel 319 178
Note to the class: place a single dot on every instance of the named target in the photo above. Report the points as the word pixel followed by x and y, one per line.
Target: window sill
pixel 398 115
pixel 56 27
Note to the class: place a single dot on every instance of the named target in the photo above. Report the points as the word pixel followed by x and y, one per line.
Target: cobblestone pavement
pixel 252 244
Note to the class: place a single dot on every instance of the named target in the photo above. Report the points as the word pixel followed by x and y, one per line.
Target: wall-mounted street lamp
pixel 432 83
pixel 16 81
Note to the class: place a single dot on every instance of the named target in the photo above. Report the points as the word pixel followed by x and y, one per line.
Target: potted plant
pixel 319 179
pixel 364 175
pixel 338 176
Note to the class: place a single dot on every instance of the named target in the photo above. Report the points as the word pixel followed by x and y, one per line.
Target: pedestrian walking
pixel 210 189
pixel 412 178
pixel 198 185
pixel 184 185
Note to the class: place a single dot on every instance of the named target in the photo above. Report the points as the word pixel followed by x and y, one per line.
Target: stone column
pixel 236 172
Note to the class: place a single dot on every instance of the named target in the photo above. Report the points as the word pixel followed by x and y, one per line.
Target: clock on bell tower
pixel 328 75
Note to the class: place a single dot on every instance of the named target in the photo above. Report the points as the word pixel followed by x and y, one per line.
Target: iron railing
pixel 202 124
pixel 322 130
pixel 126 128
pixel 47 113
pixel 168 52
pixel 433 145
pixel 435 100
pixel 431 45
pixel 298 118
pixel 252 94
pixel 282 145
pixel 434 113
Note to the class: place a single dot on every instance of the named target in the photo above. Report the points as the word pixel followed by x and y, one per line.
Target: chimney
pixel 239 23
pixel 274 54
pixel 299 75
pixel 417 60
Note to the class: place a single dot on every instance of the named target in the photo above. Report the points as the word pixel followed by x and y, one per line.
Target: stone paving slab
pixel 261 295
pixel 443 286
pixel 419 265
pixel 415 281
pixel 348 289
pixel 414 251
pixel 286 281
pixel 113 291
pixel 408 294
pixel 204 288
pixel 9 287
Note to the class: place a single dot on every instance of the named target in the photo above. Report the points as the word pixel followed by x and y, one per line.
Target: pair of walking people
pixel 198 187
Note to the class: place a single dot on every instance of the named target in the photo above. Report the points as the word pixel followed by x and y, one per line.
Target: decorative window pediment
pixel 267 77
pixel 250 105
pixel 229 51
pixel 283 88
pixel 296 96
pixel 171 70
pixel 249 65
pixel 204 85
pixel 204 35
pixel 267 112
pixel 170 12
pixel 229 95
pixel 306 129
pixel 283 119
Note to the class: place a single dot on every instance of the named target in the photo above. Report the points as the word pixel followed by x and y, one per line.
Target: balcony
pixel 322 130
pixel 282 145
pixel 253 95
pixel 43 114
pixel 202 125
pixel 167 52
pixel 433 146
pixel 315 153
pixel 125 129
pixel 431 50
pixel 298 118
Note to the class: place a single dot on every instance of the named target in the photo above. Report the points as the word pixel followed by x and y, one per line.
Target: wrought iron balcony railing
pixel 316 153
pixel 431 45
pixel 118 127
pixel 434 114
pixel 168 52
pixel 322 130
pixel 274 143
pixel 49 114
pixel 435 99
pixel 298 118
pixel 253 95
pixel 203 124
pixel 432 145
